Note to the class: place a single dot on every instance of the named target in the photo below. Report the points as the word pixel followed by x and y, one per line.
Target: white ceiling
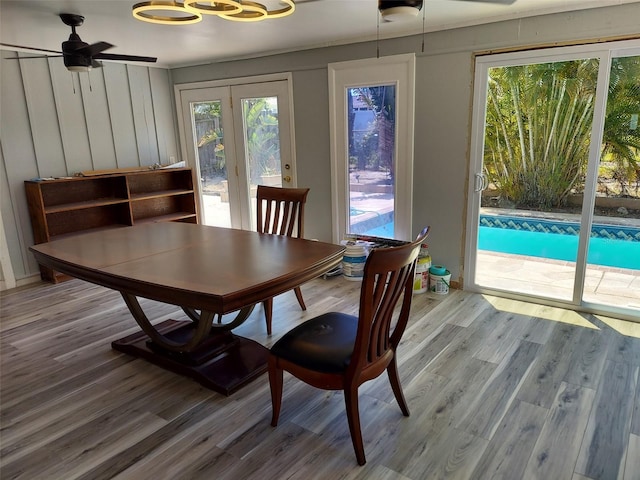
pixel 315 23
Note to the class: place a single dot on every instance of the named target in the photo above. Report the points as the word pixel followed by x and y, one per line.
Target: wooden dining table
pixel 216 275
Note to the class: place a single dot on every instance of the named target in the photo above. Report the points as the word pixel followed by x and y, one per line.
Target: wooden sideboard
pixel 64 206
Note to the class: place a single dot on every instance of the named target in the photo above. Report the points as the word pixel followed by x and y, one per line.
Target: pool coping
pixel 561 224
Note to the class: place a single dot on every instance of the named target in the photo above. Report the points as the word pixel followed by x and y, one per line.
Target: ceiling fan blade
pixel 35 56
pixel 93 49
pixel 29 48
pixel 130 58
pixel 95 64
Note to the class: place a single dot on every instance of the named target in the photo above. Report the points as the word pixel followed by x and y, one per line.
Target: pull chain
pixel 423 18
pixel 378 35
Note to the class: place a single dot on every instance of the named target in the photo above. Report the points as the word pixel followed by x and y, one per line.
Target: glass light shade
pixel 78 68
pixel 400 13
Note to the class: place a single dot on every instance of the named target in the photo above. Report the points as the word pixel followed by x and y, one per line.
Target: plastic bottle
pixel 421 279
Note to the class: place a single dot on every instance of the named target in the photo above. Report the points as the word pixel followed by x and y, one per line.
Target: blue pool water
pixel 602 251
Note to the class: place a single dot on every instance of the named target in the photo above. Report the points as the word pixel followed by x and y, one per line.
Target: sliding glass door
pixel 555 157
pixel 612 275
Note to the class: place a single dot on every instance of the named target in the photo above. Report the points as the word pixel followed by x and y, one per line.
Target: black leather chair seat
pixel 323 344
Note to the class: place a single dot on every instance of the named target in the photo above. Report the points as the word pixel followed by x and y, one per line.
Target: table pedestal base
pixel 224 362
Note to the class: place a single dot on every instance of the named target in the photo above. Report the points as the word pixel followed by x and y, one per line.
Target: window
pixel 372 115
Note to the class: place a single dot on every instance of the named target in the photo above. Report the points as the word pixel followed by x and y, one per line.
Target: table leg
pixel 206 352
pixel 202 330
pixel 238 320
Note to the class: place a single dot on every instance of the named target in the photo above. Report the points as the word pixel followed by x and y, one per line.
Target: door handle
pixel 286 178
pixel 481 182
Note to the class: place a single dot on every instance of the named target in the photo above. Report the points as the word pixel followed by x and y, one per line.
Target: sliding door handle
pixel 481 182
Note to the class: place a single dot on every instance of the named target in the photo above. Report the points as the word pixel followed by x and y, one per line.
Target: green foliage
pixel 206 110
pixel 374 148
pixel 538 128
pixel 210 139
pixel 261 137
pixel 621 139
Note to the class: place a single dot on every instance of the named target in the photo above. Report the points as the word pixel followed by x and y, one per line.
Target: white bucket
pixel 440 283
pixel 421 279
pixel 353 261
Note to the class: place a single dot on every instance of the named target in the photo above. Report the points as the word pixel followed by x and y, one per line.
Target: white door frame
pixel 223 95
pixel 186 92
pixel 398 70
pixel 604 52
pixel 278 89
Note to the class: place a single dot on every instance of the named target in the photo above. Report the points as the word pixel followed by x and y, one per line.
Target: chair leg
pixel 268 313
pixel 275 383
pixel 394 379
pixel 299 297
pixel 353 416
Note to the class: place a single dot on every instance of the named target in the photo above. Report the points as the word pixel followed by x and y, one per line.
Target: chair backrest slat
pixel 388 275
pixel 280 210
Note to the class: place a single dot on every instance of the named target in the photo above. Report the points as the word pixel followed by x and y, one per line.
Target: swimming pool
pixel 384 231
pixel 609 245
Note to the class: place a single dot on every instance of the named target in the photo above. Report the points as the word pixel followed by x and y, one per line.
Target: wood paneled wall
pixel 56 123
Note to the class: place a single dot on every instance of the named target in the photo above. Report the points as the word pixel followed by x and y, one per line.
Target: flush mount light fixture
pixel 191 11
pixel 399 10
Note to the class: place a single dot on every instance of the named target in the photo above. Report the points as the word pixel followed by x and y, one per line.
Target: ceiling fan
pixel 79 56
pixel 398 10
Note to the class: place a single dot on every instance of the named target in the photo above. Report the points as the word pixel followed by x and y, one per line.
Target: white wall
pixel 54 123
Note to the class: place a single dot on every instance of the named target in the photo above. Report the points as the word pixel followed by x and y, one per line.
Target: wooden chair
pixel 280 211
pixel 336 351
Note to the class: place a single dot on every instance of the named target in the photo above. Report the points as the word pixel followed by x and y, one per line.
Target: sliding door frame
pixel 604 52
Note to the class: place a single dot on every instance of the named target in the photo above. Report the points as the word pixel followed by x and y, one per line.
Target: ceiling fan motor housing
pixel 399 10
pixel 76 62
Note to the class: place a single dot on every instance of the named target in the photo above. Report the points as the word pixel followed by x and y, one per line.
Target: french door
pixel 236 138
pixel 554 210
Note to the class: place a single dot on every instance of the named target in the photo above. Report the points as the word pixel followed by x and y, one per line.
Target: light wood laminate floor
pixel 496 388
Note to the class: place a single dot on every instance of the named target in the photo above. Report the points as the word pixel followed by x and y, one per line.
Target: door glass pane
pixel 371 132
pixel 262 145
pixel 536 148
pixel 613 260
pixel 209 142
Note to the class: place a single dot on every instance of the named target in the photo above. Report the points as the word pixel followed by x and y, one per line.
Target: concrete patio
pixel 554 279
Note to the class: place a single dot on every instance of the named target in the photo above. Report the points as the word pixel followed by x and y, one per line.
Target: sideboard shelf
pixel 66 206
pixel 99 202
pixel 161 193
